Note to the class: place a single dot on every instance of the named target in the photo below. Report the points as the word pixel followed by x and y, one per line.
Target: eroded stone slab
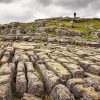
pixel 59 70
pixel 21 83
pixel 85 92
pixel 35 86
pixel 5 92
pixel 50 80
pixel 61 92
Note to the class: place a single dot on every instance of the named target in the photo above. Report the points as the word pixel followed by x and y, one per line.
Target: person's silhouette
pixel 74 14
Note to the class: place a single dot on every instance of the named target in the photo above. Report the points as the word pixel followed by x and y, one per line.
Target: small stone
pixel 30 97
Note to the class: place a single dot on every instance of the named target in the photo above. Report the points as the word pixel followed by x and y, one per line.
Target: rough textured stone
pixel 60 92
pixel 93 82
pixel 20 67
pixel 85 64
pixel 85 92
pixel 5 79
pixel 50 80
pixel 29 66
pixel 24 57
pixel 35 86
pixel 75 70
pixel 92 76
pixel 30 97
pixel 5 92
pixel 72 82
pixel 59 70
pixel 10 49
pixel 5 59
pixel 94 69
pixel 21 83
pixel 42 68
pixel 5 69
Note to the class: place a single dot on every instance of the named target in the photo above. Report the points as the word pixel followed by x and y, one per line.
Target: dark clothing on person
pixel 74 14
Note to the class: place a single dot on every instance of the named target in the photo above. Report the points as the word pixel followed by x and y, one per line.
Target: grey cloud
pixel 6 1
pixel 74 4
pixel 28 10
pixel 45 2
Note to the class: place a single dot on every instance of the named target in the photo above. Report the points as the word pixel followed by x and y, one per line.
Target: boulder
pixel 75 70
pixel 61 92
pixel 51 80
pixel 35 86
pixel 93 82
pixel 85 92
pixel 85 63
pixel 94 69
pixel 59 70
pixel 21 83
pixel 72 82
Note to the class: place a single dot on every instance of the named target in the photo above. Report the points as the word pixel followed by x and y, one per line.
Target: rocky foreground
pixel 35 71
pixel 36 64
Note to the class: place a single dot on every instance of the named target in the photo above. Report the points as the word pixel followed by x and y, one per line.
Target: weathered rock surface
pixel 5 92
pixel 35 86
pixel 75 70
pixel 93 82
pixel 50 80
pixel 72 82
pixel 85 92
pixel 59 70
pixel 47 71
pixel 21 83
pixel 30 97
pixel 60 92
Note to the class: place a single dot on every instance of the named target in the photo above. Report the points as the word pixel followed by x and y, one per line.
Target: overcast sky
pixel 29 10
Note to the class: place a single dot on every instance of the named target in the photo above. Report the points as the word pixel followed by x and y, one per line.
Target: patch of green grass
pixel 90 37
pixel 16 97
pixel 52 34
pixel 32 24
pixel 82 25
pixel 56 23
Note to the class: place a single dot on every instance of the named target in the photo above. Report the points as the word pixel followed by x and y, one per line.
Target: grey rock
pixel 94 69
pixel 59 70
pixel 30 97
pixel 51 80
pixel 61 92
pixel 72 82
pixel 21 83
pixel 35 86
pixel 85 92
pixel 93 82
pixel 5 92
pixel 75 70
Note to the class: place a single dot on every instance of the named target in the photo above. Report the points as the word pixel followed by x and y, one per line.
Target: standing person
pixel 74 14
